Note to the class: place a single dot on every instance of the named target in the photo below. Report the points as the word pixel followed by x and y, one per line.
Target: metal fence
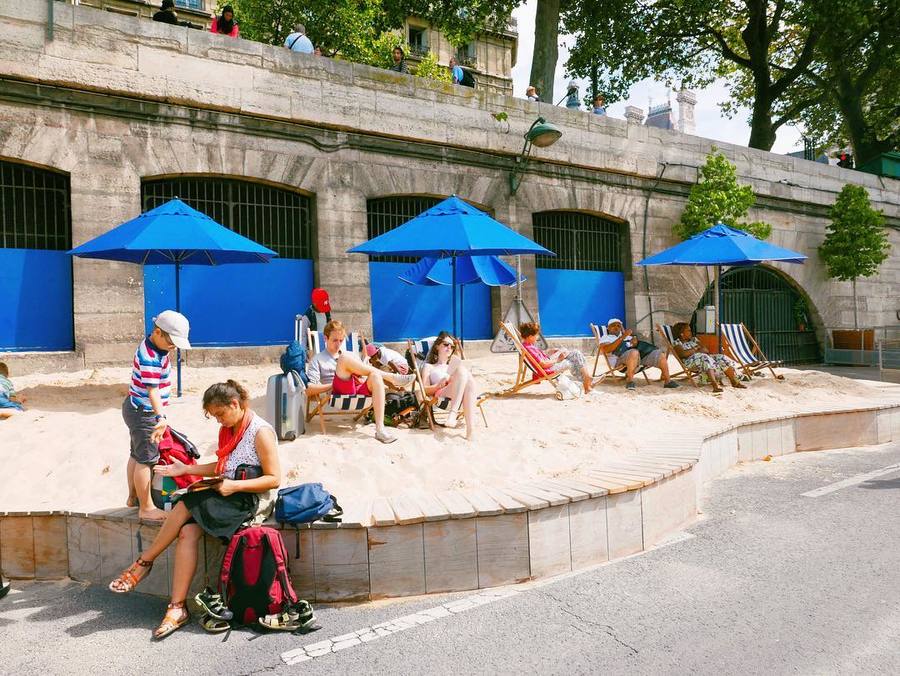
pixel 770 308
pixel 383 214
pixel 580 241
pixel 274 217
pixel 882 351
pixel 34 208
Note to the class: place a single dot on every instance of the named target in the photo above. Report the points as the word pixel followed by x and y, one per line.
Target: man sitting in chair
pixel 386 359
pixel 344 373
pixel 623 347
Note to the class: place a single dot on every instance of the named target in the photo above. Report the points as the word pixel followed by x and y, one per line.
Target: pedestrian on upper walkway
pixel 399 64
pixel 456 70
pixel 225 24
pixel 531 93
pixel 297 41
pixel 599 105
pixel 166 13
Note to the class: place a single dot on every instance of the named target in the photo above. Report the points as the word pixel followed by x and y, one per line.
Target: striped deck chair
pixel 529 372
pixel 685 373
pixel 599 332
pixel 740 345
pixel 430 403
pixel 328 404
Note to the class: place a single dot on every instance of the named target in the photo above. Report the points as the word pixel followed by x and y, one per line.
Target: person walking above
pixel 623 347
pixel 144 409
pixel 225 24
pixel 399 57
pixel 297 41
pixel 531 93
pixel 456 70
pixel 166 13
pixel 599 105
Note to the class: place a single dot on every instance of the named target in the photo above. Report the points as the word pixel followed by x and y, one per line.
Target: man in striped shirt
pixel 144 408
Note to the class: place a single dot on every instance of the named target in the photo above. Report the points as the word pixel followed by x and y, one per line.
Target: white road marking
pixel 852 481
pixel 449 609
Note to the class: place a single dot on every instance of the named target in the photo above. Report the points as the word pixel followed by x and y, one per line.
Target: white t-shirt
pixel 389 356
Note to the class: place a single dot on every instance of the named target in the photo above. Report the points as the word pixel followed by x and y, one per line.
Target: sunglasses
pixel 447 344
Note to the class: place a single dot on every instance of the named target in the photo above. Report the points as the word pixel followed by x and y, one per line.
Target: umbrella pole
pixel 178 309
pixel 453 291
pixel 718 316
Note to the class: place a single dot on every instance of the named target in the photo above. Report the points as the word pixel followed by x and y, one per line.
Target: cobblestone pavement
pixel 768 581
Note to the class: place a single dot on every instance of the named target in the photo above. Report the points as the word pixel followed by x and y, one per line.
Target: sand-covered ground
pixel 69 449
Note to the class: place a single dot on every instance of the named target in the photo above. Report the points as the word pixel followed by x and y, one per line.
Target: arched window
pixel 383 214
pixel 580 241
pixel 35 270
pixel 277 218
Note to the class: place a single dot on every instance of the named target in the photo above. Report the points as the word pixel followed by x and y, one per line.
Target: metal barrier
pixel 885 352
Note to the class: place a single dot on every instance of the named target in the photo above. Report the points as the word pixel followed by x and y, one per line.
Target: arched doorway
pixel 776 312
pixel 585 281
pixel 35 268
pixel 274 293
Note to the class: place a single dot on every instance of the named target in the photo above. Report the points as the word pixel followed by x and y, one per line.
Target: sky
pixel 710 121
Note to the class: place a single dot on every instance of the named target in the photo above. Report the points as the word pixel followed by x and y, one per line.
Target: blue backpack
pixel 306 503
pixel 294 359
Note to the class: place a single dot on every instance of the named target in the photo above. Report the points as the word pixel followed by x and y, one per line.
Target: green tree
pixel 546 47
pixel 718 199
pixel 856 243
pixel 429 68
pixel 761 47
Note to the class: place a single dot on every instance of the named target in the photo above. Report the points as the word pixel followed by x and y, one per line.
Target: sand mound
pixel 69 449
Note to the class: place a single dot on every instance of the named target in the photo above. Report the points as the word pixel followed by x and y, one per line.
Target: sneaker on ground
pixel 402 381
pixel 671 385
pixel 630 386
pixel 385 438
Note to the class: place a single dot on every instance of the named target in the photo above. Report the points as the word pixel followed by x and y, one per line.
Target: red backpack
pixel 254 581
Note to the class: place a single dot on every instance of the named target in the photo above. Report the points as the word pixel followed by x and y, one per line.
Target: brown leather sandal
pixel 176 617
pixel 130 578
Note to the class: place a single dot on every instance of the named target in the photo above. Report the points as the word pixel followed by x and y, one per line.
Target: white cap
pixel 176 325
pixel 615 320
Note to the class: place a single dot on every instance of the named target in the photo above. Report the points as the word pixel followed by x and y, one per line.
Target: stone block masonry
pixel 114 99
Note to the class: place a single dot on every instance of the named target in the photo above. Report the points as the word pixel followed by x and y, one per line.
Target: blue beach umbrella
pixel 177 234
pixel 451 229
pixel 721 245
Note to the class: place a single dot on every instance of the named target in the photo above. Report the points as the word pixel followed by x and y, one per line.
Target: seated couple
pixel 556 360
pixel 247 461
pixel 623 348
pixel 696 357
pixel 344 373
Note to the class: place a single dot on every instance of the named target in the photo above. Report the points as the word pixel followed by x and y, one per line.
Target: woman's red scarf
pixel 228 439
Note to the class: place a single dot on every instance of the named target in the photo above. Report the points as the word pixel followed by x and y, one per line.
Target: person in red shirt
pixel 225 24
pixel 557 359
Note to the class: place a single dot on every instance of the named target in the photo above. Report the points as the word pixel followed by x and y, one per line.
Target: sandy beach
pixel 69 449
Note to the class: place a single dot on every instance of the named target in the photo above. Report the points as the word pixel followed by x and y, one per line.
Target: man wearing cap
pixel 623 347
pixel 384 358
pixel 317 315
pixel 144 408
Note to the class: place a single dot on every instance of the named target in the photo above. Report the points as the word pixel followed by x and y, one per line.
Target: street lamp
pixel 541 134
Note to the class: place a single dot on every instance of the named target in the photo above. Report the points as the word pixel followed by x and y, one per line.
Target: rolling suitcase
pixel 286 405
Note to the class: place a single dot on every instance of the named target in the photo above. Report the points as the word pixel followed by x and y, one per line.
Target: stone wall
pixel 113 99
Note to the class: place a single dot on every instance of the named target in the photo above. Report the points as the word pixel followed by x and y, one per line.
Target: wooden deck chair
pixel 529 372
pixel 617 371
pixel 430 403
pixel 327 404
pixel 740 345
pixel 685 373
pixel 316 342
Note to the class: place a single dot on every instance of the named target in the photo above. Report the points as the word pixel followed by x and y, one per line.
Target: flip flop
pixel 214 625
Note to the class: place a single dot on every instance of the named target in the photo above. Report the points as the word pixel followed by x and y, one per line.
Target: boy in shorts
pixel 144 408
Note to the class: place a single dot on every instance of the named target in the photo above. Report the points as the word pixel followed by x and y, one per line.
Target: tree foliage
pixel 718 198
pixel 856 243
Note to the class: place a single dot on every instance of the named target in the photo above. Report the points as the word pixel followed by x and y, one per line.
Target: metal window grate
pixel 383 214
pixel 190 4
pixel 580 241
pixel 34 208
pixel 276 218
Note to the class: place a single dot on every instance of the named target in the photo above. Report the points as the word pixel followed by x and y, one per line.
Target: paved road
pixel 770 582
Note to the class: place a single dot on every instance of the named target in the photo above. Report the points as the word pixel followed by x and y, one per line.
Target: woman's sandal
pixel 285 621
pixel 129 579
pixel 176 617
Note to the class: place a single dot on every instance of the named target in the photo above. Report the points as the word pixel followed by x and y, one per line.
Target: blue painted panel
pixel 569 300
pixel 401 311
pixel 230 305
pixel 36 300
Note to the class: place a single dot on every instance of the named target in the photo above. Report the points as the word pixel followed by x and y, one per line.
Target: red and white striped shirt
pixel 151 368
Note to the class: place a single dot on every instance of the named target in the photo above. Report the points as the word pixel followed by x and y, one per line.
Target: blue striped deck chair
pixel 328 404
pixel 740 345
pixel 617 371
pixel 686 373
pixel 430 403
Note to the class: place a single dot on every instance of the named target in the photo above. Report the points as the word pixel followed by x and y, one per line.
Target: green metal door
pixel 772 309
